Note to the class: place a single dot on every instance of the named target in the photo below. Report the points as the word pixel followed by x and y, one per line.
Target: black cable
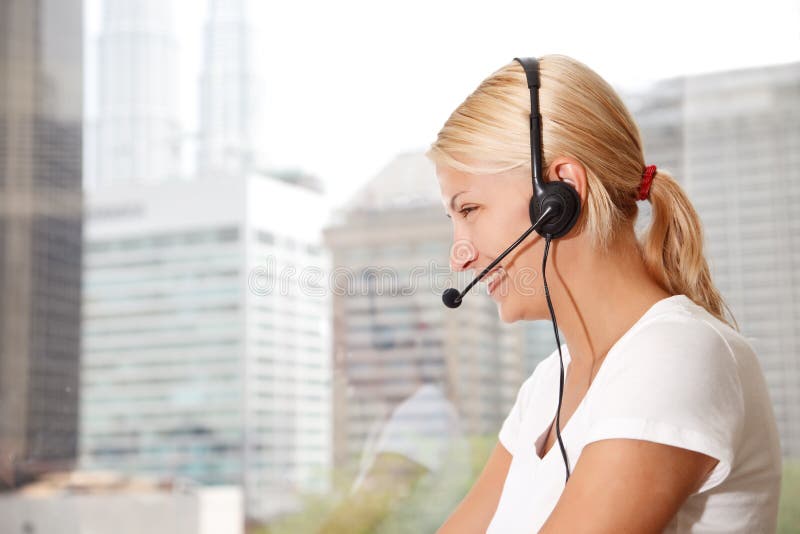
pixel 558 342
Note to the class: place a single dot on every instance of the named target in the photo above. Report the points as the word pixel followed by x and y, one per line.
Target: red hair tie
pixel 647 179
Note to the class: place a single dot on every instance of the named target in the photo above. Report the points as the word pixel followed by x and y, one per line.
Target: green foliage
pixel 789 512
pixel 314 510
pixel 429 502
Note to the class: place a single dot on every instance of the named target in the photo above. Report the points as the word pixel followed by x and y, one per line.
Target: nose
pixel 462 254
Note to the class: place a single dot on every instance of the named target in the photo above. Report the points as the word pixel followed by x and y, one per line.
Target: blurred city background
pixel 222 250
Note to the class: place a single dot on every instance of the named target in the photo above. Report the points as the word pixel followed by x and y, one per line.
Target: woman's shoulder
pixel 678 329
pixel 680 356
pixel 675 333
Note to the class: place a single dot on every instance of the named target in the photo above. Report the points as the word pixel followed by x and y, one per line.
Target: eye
pixel 465 210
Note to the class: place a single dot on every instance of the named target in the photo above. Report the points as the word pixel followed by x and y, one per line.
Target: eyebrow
pixel 453 199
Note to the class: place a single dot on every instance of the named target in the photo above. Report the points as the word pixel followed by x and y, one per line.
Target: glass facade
pixel 41 65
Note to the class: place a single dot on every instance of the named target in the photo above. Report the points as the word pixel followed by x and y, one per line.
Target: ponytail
pixel 673 248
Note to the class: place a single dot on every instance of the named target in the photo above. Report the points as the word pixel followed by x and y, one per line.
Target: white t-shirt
pixel 678 376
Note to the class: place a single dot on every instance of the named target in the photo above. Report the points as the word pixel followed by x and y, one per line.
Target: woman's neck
pixel 598 298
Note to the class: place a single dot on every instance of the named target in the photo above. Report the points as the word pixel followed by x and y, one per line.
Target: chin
pixel 508 312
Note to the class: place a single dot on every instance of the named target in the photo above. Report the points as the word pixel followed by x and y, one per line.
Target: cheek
pixel 515 220
pixel 500 229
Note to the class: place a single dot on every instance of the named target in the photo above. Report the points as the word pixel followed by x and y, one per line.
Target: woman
pixel 665 422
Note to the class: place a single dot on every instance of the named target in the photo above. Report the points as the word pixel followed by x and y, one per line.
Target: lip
pixel 496 282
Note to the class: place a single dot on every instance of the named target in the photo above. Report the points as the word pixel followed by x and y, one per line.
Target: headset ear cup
pixel 560 195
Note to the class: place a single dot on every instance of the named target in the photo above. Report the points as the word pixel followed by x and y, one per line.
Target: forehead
pixel 503 186
pixel 453 182
pixel 451 179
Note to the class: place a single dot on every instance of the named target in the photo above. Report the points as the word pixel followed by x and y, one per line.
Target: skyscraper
pixel 136 134
pixel 232 90
pixel 206 351
pixel 390 247
pixel 41 94
pixel 733 140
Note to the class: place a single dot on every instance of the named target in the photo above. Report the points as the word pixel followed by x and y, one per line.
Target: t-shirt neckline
pixel 656 306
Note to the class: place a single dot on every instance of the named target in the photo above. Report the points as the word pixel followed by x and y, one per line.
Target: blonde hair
pixel 584 118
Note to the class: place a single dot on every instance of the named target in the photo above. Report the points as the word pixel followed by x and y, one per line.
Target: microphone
pixel 452 297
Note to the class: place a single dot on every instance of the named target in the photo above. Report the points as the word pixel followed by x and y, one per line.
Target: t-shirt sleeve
pixel 676 382
pixel 510 429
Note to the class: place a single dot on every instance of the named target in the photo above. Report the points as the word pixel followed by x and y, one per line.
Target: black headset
pixel 561 196
pixel 554 210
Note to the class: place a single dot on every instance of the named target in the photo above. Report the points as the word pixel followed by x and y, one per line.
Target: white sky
pixel 353 83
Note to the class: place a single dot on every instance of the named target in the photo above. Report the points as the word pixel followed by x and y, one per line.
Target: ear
pixel 571 171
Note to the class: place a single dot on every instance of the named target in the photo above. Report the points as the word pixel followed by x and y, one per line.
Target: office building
pixel 136 133
pixel 41 95
pixel 206 345
pixel 390 246
pixel 232 90
pixel 79 503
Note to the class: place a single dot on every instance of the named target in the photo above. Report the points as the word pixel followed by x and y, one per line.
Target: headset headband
pixel 531 67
